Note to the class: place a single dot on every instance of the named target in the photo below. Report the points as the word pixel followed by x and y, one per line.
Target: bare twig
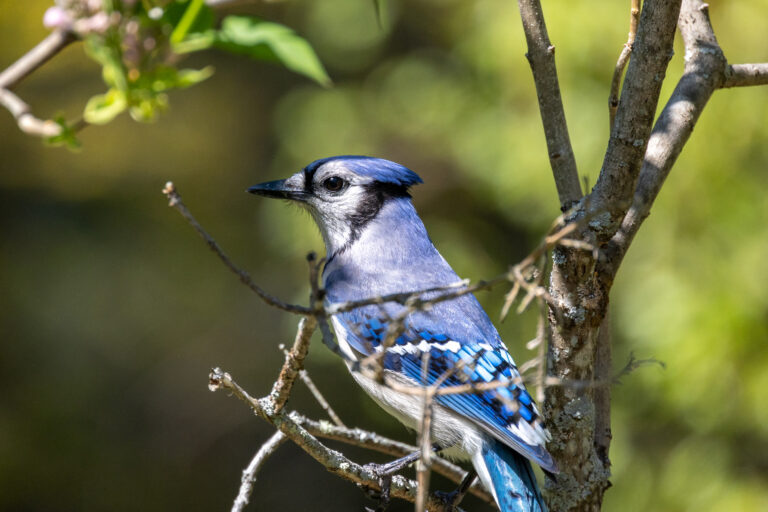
pixel 742 75
pixel 425 436
pixel 613 98
pixel 305 378
pixel 174 200
pixel 541 56
pixel 633 364
pixel 381 444
pixel 250 472
pixel 294 363
pixel 23 67
pixel 332 460
pixel 400 298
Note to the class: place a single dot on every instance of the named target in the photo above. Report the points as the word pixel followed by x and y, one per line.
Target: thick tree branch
pixel 705 71
pixel 541 56
pixel 651 53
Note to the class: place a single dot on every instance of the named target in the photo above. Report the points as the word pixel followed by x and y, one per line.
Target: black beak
pixel 277 189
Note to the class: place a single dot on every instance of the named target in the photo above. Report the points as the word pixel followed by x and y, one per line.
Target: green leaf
pixel 66 138
pixel 189 77
pixel 269 41
pixel 102 108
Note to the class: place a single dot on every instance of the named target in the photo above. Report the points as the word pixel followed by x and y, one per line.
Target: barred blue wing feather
pixel 507 412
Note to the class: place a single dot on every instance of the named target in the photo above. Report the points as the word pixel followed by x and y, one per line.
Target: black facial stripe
pixel 309 175
pixel 377 194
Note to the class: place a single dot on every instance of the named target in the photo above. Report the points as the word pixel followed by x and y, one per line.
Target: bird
pixel 376 245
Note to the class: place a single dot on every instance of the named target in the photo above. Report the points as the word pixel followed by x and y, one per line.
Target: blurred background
pixel 112 310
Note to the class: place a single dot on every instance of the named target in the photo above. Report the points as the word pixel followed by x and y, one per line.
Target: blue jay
pixel 376 245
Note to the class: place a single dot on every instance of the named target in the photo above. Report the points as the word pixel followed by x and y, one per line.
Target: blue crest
pixel 378 169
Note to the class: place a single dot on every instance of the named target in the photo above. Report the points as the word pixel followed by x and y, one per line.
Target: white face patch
pixel 337 212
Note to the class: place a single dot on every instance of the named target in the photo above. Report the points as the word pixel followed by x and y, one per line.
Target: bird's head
pixel 343 193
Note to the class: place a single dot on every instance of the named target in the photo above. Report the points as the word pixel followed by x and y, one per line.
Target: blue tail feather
pixel 512 481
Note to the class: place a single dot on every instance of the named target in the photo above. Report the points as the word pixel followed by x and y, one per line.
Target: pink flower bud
pixel 56 17
pixel 99 22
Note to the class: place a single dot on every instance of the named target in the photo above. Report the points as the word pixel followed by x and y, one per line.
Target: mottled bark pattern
pixel 570 410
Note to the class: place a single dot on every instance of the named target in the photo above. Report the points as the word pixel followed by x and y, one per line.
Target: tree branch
pixel 294 363
pixel 381 444
pixel 541 56
pixel 705 71
pixel 332 460
pixel 307 380
pixel 25 120
pixel 36 57
pixel 651 53
pixel 23 67
pixel 174 201
pixel 742 75
pixel 249 473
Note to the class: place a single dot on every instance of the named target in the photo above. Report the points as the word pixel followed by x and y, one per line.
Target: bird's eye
pixel 334 183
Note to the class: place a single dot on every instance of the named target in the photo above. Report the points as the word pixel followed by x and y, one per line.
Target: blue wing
pixel 507 412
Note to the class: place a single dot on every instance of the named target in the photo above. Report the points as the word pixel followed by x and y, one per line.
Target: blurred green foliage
pixel 112 310
pixel 138 44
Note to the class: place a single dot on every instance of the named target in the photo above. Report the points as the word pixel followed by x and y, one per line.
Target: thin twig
pixel 174 200
pixel 613 98
pixel 381 444
pixel 333 461
pixel 25 120
pixel 36 57
pixel 633 364
pixel 425 436
pixel 400 297
pixel 294 363
pixel 305 378
pixel 250 472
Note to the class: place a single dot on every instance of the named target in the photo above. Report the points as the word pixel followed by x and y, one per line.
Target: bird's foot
pixel 452 499
pixel 385 482
pixel 384 473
